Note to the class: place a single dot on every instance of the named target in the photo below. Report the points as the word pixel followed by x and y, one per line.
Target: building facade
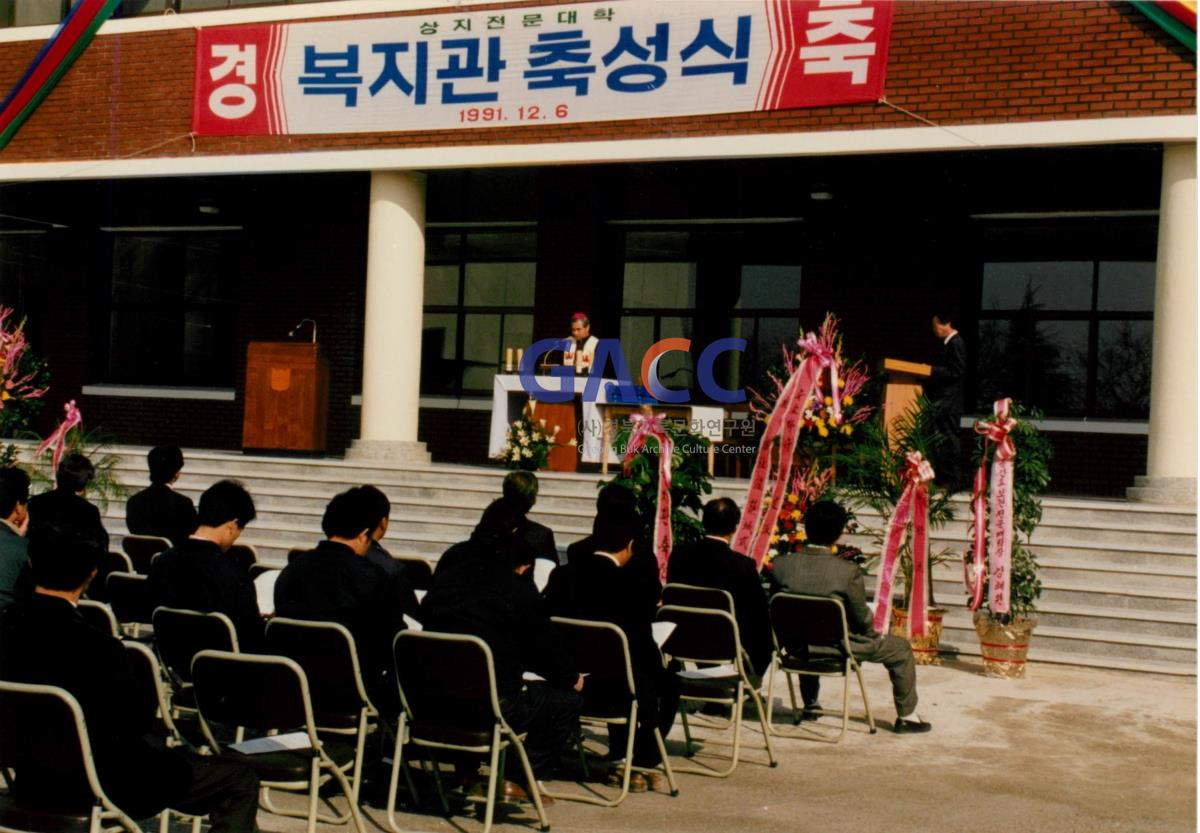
pixel 1030 166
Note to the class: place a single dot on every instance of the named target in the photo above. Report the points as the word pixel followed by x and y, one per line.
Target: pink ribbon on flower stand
pixel 996 431
pixel 645 427
pixel 58 439
pixel 913 505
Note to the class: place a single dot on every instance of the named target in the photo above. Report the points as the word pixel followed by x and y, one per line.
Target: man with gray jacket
pixel 818 571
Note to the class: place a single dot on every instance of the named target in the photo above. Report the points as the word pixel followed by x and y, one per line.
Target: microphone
pixel 293 330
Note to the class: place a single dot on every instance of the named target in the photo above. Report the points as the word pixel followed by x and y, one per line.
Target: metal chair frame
pixel 320 760
pixel 628 768
pixel 96 612
pixel 176 676
pixel 140 548
pixel 104 812
pixel 741 685
pixel 850 664
pixel 502 736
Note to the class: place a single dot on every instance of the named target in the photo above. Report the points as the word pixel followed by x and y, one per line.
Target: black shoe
pixel 910 727
pixel 811 711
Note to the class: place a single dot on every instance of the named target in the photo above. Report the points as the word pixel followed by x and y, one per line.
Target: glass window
pixel 37 12
pixel 1123 368
pixel 1053 285
pixel 637 334
pixel 494 274
pixel 770 287
pixel 172 309
pixel 656 245
pixel 1126 286
pixel 660 285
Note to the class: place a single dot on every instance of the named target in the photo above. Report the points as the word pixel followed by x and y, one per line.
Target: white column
pixel 391 384
pixel 1171 458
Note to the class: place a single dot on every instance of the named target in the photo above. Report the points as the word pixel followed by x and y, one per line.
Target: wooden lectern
pixel 903 388
pixel 287 396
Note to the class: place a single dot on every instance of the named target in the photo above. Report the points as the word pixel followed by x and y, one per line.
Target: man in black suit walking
pixel 945 391
pixel 710 562
pixel 159 509
pixel 818 571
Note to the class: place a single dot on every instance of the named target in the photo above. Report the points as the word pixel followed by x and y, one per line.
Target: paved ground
pixel 1066 750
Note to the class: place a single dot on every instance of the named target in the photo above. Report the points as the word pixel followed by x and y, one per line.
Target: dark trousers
pixel 658 701
pixel 226 791
pixel 895 653
pixel 550 716
pixel 947 459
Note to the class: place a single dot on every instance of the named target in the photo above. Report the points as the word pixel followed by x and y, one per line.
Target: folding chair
pixel 449 701
pixel 802 623
pixel 149 697
pixel 99 616
pixel 601 651
pixel 418 571
pixel 129 597
pixel 113 562
pixel 244 554
pixel 692 595
pixel 327 653
pixel 710 638
pixel 257 570
pixel 42 728
pixel 181 634
pixel 141 550
pixel 269 694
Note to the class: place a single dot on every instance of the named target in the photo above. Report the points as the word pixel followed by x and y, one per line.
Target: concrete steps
pixel 1119 578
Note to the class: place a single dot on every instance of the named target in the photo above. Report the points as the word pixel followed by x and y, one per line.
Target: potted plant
pixel 1004 638
pixel 689 480
pixel 874 478
pixel 528 441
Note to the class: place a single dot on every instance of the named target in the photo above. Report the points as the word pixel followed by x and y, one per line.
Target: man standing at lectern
pixel 945 391
pixel 580 349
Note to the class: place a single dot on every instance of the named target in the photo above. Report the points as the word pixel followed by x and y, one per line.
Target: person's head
pixel 614 531
pixel 381 510
pixel 165 462
pixel 14 494
pixel 721 516
pixel 74 473
pixel 943 322
pixel 824 523
pixel 614 494
pixel 581 326
pixel 349 519
pixel 224 511
pixel 499 532
pixel 520 489
pixel 64 559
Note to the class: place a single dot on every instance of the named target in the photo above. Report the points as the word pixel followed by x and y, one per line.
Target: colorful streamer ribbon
pixel 51 63
pixel 913 505
pixel 753 535
pixel 58 439
pixel 645 427
pixel 996 431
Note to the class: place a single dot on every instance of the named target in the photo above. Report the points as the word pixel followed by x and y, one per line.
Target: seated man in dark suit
pixel 199 575
pixel 377 554
pixel 65 505
pixel 484 587
pixel 158 509
pixel 520 491
pixel 818 571
pixel 337 583
pixel 643 565
pixel 45 640
pixel 710 562
pixel 15 579
pixel 596 587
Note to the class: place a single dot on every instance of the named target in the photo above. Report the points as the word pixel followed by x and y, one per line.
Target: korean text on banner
pixel 539 65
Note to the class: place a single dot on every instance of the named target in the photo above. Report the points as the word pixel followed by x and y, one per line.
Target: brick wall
pixel 952 63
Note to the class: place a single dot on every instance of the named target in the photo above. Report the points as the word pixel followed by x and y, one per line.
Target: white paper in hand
pixel 542 568
pixel 264 589
pixel 275 743
pixel 662 631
